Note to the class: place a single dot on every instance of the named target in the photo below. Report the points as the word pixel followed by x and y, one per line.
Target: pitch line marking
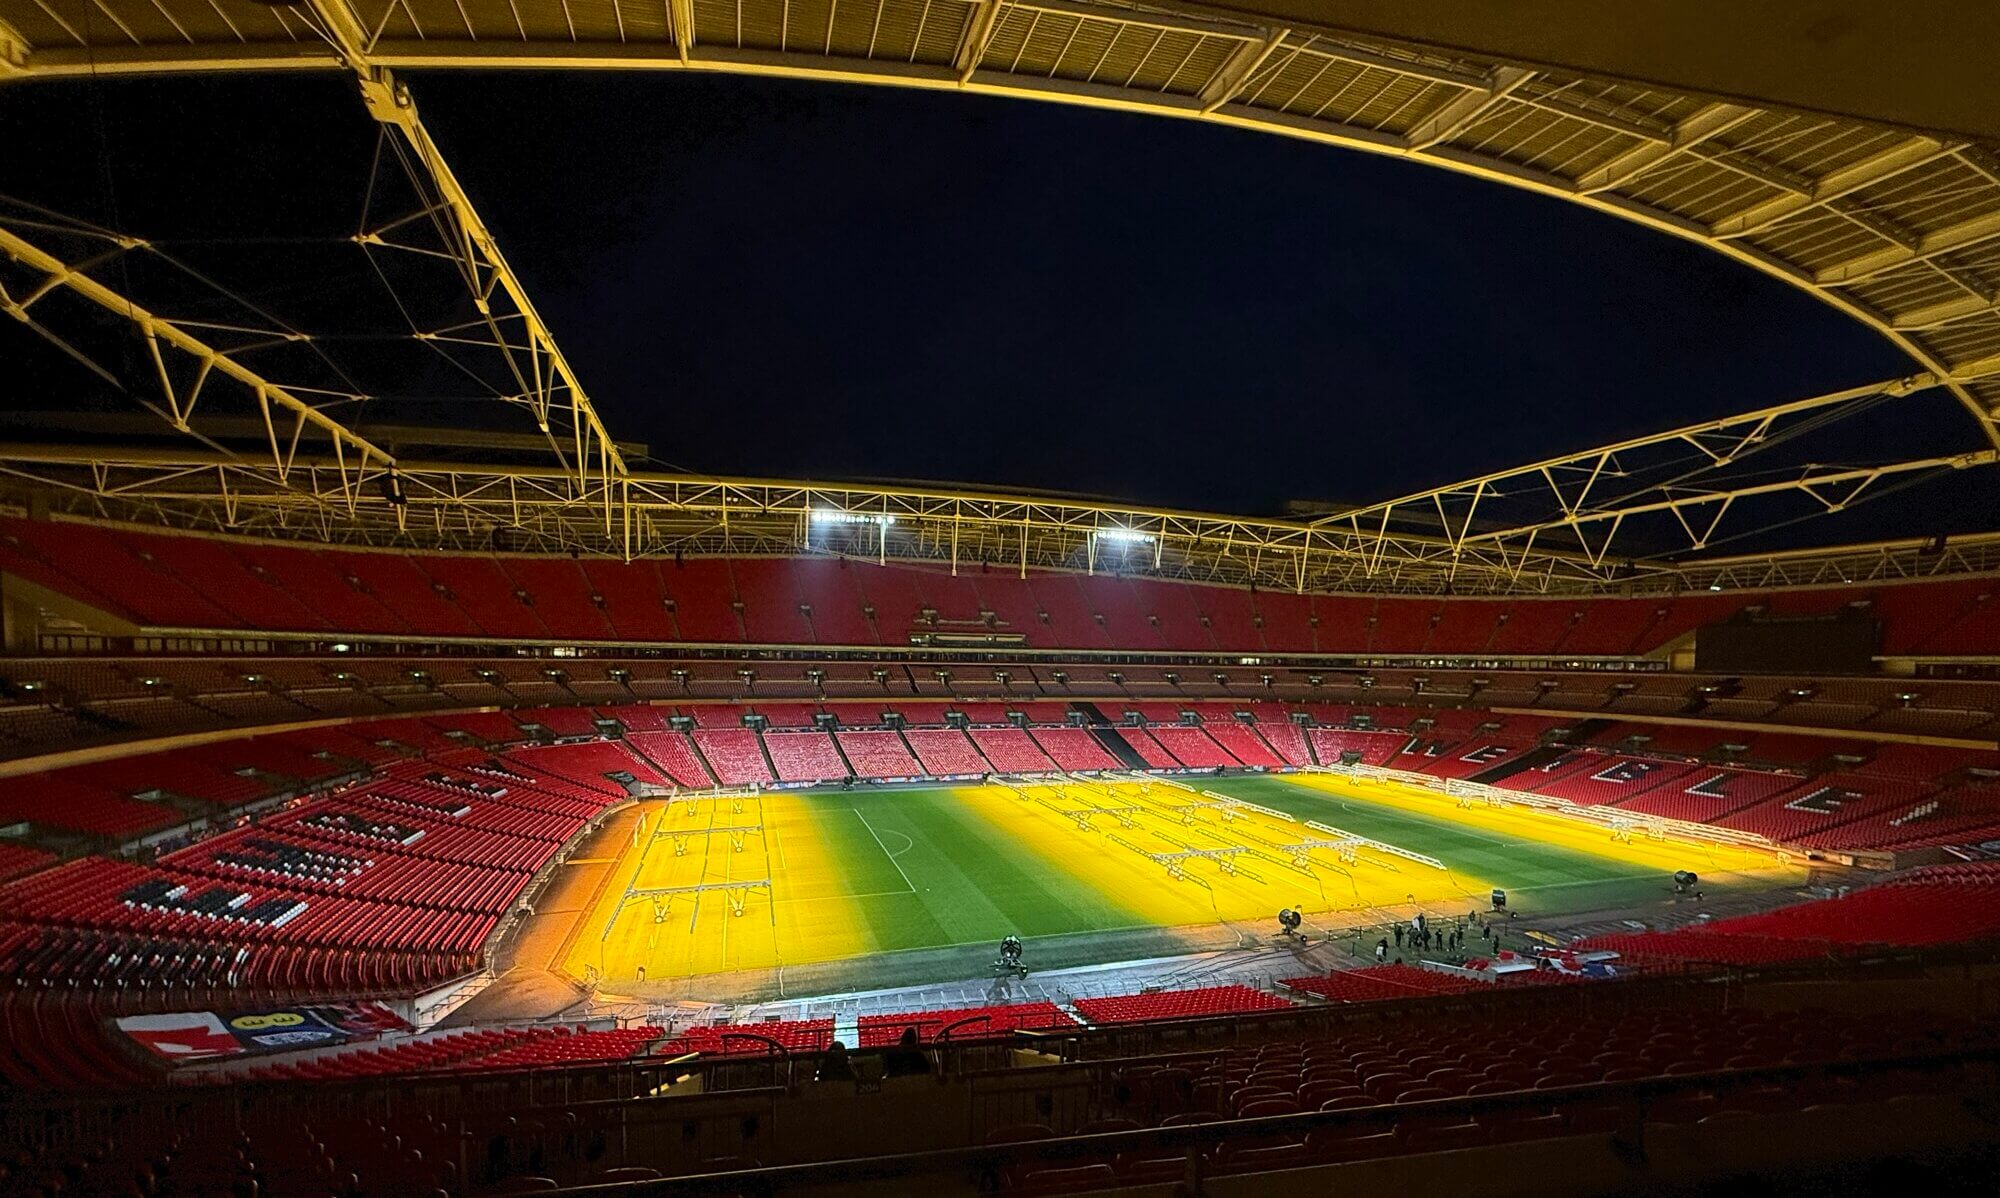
pixel 885 848
pixel 813 898
pixel 1412 819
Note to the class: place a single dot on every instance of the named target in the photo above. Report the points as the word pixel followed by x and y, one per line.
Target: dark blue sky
pixel 786 279
pixel 795 279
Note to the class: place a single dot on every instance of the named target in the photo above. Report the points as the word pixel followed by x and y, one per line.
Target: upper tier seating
pixel 184 582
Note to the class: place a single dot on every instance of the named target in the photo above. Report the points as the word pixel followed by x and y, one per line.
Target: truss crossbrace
pixel 453 506
pixel 1595 488
pixel 354 456
pixel 551 386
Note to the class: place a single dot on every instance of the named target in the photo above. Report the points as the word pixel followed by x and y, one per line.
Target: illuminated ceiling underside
pixel 1899 229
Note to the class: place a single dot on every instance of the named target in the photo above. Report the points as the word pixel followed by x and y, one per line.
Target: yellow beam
pixel 62 274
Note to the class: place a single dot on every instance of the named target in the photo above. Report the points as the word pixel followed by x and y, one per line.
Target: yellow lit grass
pixel 1527 823
pixel 1256 891
pixel 813 922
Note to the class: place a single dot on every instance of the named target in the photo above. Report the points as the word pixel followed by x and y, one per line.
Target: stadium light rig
pixel 827 516
pixel 1123 536
pixel 1121 539
pixel 881 522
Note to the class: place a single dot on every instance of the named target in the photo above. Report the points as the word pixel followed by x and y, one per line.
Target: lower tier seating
pixel 805 756
pixel 735 754
pixel 1074 749
pixel 878 754
pixel 966 1024
pixel 751 1039
pixel 1012 751
pixel 1381 983
pixel 1133 1109
pixel 1177 1004
pixel 946 753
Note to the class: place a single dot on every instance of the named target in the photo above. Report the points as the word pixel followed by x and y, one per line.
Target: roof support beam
pixel 14 51
pixel 1467 110
pixel 1744 428
pixel 1563 105
pixel 1906 155
pixel 162 333
pixel 979 29
pixel 1833 488
pixel 681 13
pixel 1879 262
pixel 1242 66
pixel 555 395
pixel 1461 76
pixel 1979 299
pixel 1698 127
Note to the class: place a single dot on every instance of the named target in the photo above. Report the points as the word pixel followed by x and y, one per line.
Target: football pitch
pixel 757 882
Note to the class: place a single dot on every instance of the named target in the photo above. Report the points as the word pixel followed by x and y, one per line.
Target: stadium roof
pixel 1897 227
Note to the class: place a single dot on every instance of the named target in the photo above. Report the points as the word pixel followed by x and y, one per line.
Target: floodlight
pixel 1123 536
pixel 829 516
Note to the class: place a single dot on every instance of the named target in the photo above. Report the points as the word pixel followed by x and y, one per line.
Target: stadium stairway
pixel 769 763
pixel 907 746
pixel 1540 755
pixel 839 751
pixel 694 747
pixel 1106 735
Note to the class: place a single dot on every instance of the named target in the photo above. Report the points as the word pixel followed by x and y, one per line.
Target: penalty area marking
pixel 908 845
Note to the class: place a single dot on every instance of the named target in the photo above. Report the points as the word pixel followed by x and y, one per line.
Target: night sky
pixel 796 280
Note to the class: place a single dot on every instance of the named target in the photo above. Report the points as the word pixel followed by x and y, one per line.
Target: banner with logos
pixel 187 1036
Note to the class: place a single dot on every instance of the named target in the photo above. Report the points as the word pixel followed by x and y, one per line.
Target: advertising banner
pixel 211 1036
